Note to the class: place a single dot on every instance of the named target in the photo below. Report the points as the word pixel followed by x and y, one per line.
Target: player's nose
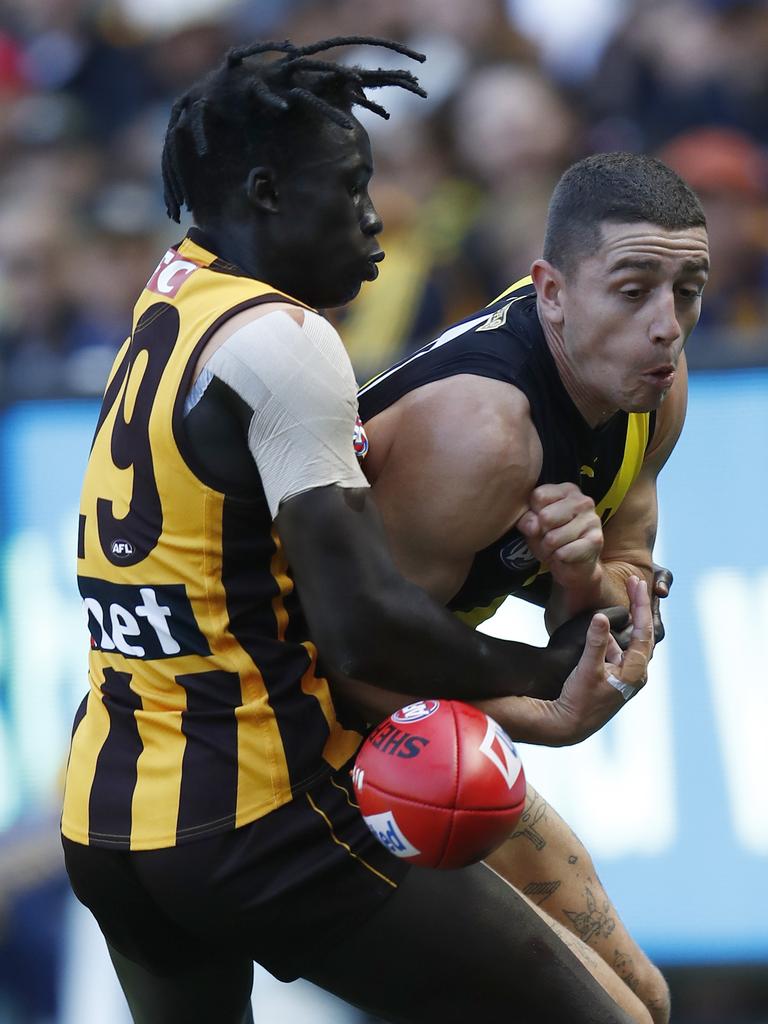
pixel 370 221
pixel 665 327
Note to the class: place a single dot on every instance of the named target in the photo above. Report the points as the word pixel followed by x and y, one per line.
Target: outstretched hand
pixel 567 643
pixel 605 676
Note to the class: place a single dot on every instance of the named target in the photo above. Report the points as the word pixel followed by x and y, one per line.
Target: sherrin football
pixel 439 783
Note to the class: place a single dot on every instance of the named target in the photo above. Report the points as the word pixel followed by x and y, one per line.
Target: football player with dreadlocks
pixel 227 541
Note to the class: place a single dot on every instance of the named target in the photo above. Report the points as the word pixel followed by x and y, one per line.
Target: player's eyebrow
pixel 696 265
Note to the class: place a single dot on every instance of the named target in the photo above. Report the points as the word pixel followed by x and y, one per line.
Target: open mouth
pixel 662 376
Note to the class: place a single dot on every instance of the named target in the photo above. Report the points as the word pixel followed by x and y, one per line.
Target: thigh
pixel 168 974
pixel 220 992
pixel 448 944
pixel 547 862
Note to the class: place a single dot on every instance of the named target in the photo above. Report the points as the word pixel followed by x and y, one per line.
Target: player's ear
pixel 549 282
pixel 261 189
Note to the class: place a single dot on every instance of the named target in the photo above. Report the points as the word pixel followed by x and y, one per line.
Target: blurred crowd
pixel 518 89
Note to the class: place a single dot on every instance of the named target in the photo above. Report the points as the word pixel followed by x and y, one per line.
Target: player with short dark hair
pixel 229 559
pixel 614 188
pixel 543 421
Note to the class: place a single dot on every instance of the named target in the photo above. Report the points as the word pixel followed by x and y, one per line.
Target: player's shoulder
pixel 254 314
pixel 522 288
pixel 280 321
pixel 470 420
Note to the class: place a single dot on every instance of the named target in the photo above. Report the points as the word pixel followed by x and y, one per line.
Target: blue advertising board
pixel 670 798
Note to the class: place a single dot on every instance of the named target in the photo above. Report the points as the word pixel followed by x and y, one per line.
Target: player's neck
pixel 591 406
pixel 234 243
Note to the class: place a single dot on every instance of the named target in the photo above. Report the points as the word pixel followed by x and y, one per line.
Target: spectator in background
pixel 35 312
pixel 68 288
pixel 677 64
pixel 514 135
pixel 729 171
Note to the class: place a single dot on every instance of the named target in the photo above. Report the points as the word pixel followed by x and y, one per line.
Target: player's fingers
pixel 619 617
pixel 662 580
pixel 637 655
pixel 658 627
pixel 528 524
pixel 548 494
pixel 585 548
pixel 613 652
pixel 576 506
pixel 598 634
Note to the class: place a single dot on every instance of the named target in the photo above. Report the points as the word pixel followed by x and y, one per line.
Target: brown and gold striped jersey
pixel 205 709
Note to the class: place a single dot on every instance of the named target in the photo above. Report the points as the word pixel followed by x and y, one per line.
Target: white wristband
pixel 625 689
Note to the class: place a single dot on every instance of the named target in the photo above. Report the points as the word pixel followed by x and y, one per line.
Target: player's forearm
pixel 407 643
pixel 369 623
pixel 371 703
pixel 526 719
pixel 541 722
pixel 565 602
pixel 607 588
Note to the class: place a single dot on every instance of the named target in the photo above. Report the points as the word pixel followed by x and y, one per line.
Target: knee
pixel 654 992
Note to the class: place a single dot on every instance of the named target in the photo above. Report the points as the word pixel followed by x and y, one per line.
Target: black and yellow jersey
pixel 205 709
pixel 505 342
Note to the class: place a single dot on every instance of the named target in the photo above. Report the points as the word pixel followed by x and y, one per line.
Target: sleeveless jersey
pixel 505 342
pixel 205 710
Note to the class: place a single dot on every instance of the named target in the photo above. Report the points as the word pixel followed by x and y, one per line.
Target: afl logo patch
pixel 517 555
pixel 122 549
pixel 359 439
pixel 415 712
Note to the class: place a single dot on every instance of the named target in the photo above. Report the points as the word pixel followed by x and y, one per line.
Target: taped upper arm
pixel 300 385
pixel 462 456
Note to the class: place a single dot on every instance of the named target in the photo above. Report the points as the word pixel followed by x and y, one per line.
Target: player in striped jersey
pixel 229 558
pixel 536 428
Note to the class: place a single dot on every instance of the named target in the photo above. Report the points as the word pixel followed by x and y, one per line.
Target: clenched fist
pixel 564 532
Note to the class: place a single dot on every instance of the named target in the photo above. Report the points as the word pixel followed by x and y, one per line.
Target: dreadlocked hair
pixel 247 110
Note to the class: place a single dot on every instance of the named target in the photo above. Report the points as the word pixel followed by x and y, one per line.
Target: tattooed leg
pixel 601 972
pixel 545 861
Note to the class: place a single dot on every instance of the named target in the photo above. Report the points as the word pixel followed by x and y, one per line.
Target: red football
pixel 439 783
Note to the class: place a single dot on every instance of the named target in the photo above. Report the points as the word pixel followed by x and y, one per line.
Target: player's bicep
pixel 456 476
pixel 424 550
pixel 301 388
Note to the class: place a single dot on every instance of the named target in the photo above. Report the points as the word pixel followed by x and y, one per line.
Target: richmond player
pixel 228 543
pixel 542 422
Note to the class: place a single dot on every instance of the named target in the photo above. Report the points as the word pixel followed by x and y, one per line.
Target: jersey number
pixel 129 540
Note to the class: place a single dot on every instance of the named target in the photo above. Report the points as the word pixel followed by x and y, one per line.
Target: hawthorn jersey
pixel 505 342
pixel 205 709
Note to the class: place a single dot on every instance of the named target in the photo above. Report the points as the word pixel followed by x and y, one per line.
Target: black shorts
pixel 277 891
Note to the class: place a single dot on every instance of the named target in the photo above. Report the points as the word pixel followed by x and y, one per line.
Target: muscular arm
pixel 369 623
pixel 630 534
pixel 451 465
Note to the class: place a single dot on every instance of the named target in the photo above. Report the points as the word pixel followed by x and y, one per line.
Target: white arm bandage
pixel 302 389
